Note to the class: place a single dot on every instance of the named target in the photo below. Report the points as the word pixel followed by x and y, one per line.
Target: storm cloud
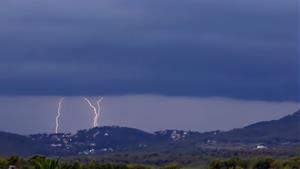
pixel 237 49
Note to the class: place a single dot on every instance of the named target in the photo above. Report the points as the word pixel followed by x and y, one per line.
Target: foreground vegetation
pixel 256 163
pixel 40 162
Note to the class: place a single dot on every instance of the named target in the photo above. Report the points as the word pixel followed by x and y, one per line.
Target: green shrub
pixel 171 166
pixel 293 163
pixel 266 163
pixel 3 163
pixel 232 163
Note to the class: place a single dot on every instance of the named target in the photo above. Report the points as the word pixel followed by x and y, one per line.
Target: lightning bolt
pixel 58 114
pixel 99 108
pixel 94 110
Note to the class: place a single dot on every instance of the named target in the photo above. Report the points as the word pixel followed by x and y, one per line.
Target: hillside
pixel 101 140
pixel 11 144
pixel 284 129
pixel 96 140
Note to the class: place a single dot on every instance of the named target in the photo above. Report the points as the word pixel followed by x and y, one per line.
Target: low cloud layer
pixel 238 49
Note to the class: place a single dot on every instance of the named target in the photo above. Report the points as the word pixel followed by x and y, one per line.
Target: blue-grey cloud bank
pixel 237 49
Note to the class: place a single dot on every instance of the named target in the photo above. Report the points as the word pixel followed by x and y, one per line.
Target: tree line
pixel 41 162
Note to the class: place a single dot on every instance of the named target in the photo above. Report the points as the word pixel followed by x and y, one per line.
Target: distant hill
pixel 106 139
pixel 284 129
pixel 11 144
pixel 96 140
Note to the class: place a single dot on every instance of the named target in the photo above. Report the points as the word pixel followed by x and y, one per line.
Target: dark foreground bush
pixel 171 166
pixel 257 163
pixel 41 162
pixel 233 163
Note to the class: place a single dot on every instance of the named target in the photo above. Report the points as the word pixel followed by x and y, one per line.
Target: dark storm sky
pixel 236 49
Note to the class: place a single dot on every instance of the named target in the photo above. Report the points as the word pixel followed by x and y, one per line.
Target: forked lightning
pixel 58 114
pixel 96 111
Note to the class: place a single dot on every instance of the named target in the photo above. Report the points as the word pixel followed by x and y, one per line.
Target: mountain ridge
pixel 118 139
